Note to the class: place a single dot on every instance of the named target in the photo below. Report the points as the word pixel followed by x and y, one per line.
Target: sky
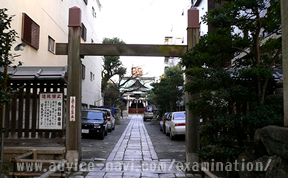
pixel 143 22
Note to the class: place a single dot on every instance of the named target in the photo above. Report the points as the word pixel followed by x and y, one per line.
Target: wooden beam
pixel 192 119
pixel 284 15
pixel 92 49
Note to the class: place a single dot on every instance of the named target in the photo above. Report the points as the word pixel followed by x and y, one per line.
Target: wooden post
pixel 192 120
pixel 284 15
pixel 73 115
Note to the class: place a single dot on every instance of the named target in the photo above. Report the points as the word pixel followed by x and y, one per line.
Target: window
pixel 83 32
pixel 166 60
pixel 30 31
pixel 51 44
pixel 83 72
pixel 92 41
pixel 93 12
pixel 86 2
pixel 91 76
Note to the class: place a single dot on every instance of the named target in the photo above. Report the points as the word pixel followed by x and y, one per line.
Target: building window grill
pixel 51 44
pixel 30 31
pixel 83 71
pixel 92 76
pixel 166 60
pixel 83 32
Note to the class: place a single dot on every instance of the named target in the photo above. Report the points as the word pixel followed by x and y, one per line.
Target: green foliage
pixel 234 100
pixel 166 93
pixel 112 95
pixel 112 65
pixel 7 37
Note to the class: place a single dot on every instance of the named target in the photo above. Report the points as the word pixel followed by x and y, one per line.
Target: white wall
pixel 45 14
pixel 91 90
pixel 52 17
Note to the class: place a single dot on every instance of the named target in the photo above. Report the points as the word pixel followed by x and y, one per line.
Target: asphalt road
pixel 96 149
pixel 164 147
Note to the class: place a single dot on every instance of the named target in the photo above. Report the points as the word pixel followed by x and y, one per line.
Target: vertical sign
pixel 72 108
pixel 51 111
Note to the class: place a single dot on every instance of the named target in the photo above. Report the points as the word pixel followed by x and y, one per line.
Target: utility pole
pixel 284 15
pixel 73 115
pixel 192 120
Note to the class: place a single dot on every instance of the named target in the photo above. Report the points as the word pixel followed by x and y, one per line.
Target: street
pixel 134 149
pixel 93 149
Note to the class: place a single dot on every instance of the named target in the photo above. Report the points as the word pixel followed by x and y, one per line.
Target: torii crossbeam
pixel 94 49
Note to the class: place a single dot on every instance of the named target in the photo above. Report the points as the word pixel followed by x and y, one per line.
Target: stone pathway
pixel 133 156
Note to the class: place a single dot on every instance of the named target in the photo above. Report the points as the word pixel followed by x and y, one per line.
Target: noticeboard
pixel 51 111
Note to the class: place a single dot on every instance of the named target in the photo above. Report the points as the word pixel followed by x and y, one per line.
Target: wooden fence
pixel 22 113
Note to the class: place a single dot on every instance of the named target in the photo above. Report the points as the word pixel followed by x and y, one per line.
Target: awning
pixel 38 73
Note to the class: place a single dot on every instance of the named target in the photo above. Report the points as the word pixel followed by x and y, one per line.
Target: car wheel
pixel 144 119
pixel 167 133
pixel 110 130
pixel 106 132
pixel 113 127
pixel 160 128
pixel 164 130
pixel 172 137
pixel 102 135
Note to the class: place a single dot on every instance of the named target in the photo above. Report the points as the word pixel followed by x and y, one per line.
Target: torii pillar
pixel 284 17
pixel 192 120
pixel 74 87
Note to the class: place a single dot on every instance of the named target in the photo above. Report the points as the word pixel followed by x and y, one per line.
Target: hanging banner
pixel 51 111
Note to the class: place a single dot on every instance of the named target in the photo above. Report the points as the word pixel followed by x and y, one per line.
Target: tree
pixel 235 100
pixel 112 65
pixel 166 93
pixel 7 37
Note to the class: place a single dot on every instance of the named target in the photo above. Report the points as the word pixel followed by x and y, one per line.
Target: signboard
pixel 72 108
pixel 51 111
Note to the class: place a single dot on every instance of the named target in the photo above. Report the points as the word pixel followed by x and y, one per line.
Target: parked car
pixel 163 122
pixel 94 123
pixel 110 118
pixel 149 112
pixel 175 125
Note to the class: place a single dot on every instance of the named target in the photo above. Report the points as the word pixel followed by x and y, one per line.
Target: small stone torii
pixel 74 49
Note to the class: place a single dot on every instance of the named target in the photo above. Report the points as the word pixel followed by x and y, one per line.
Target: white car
pixel 149 112
pixel 175 125
pixel 110 118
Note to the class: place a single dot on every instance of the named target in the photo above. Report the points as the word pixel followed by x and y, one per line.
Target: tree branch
pixel 241 50
pixel 275 57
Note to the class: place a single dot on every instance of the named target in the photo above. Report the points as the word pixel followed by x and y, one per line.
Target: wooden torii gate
pixel 74 49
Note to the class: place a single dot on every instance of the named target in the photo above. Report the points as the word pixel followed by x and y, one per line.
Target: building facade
pixel 42 24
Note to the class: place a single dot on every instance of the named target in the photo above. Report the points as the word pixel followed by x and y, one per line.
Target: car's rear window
pixel 91 115
pixel 179 116
pixel 149 108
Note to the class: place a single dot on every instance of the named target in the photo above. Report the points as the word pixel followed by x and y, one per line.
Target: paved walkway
pixel 134 156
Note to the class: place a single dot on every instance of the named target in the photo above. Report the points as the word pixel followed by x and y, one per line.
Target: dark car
pixel 94 123
pixel 163 121
pixel 110 118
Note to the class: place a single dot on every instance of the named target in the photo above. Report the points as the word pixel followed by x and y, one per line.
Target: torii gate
pixel 74 49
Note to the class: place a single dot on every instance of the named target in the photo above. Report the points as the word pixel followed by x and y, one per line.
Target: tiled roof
pixel 38 73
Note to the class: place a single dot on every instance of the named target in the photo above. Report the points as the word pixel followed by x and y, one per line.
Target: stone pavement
pixel 133 156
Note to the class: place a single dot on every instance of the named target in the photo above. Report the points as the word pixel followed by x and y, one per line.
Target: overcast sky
pixel 143 22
